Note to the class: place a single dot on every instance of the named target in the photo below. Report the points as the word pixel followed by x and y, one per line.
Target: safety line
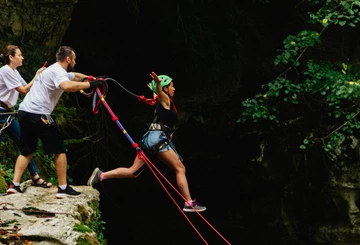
pixel 115 119
pixel 151 165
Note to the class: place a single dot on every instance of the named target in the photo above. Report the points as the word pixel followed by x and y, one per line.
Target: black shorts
pixel 33 128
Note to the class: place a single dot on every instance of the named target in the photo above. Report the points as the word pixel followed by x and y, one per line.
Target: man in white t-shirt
pixel 36 123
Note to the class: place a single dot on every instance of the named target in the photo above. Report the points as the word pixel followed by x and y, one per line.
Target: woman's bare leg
pixel 171 159
pixel 125 172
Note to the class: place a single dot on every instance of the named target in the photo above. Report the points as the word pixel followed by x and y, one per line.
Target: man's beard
pixel 70 68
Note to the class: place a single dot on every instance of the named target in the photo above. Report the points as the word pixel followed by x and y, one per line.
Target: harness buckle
pixel 47 119
pixel 155 127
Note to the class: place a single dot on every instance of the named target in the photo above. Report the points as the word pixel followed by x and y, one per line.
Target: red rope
pixel 151 102
pixel 152 168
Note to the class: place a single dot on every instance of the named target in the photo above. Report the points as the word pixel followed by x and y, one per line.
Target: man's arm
pixel 74 86
pixel 79 76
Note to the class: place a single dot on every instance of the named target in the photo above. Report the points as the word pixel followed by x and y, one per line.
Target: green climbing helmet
pixel 165 80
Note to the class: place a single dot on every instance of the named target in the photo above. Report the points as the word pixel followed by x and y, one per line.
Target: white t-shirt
pixel 46 92
pixel 9 80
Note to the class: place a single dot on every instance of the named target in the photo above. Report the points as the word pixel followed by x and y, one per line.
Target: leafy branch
pixel 312 86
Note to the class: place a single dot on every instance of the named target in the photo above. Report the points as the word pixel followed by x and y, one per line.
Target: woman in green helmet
pixel 157 140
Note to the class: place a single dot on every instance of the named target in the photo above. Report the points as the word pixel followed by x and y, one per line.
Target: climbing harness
pixel 153 150
pixel 99 95
pixel 7 121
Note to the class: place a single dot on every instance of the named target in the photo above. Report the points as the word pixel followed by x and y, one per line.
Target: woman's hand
pixel 155 77
pixel 40 70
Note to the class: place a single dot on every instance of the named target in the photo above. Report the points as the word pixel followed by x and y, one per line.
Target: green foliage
pixel 98 225
pixel 294 46
pixel 336 12
pixel 311 86
pixel 82 228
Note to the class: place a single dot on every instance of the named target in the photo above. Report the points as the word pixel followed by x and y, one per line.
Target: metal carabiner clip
pixel 47 119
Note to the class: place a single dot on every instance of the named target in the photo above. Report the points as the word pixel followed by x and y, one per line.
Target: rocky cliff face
pixel 38 217
pixel 305 198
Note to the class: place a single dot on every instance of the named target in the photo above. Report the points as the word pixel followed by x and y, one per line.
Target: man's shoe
pixel 195 206
pixel 69 191
pixel 95 177
pixel 13 189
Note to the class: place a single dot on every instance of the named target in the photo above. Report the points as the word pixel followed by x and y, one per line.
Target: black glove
pixel 96 83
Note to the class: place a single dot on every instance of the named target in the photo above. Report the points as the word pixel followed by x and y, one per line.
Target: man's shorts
pixel 32 128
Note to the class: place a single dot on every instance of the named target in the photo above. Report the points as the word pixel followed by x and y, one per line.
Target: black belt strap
pixel 5 106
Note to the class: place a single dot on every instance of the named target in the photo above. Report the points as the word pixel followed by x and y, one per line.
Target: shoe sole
pixel 92 176
pixel 61 196
pixel 193 211
pixel 12 191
